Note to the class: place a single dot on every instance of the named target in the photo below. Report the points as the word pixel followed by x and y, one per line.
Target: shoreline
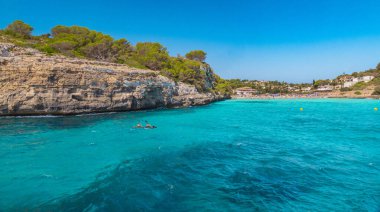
pixel 267 97
pixel 60 114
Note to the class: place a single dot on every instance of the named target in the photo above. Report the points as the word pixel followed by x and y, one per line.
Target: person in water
pixel 139 125
pixel 149 126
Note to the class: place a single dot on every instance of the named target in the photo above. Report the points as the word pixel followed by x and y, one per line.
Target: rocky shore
pixel 33 83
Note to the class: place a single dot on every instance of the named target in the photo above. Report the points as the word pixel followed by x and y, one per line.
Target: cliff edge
pixel 32 83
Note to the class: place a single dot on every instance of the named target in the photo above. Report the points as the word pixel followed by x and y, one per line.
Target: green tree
pixel 71 41
pixel 19 29
pixel 152 55
pixel 318 83
pixel 100 49
pixel 223 86
pixel 197 55
pixel 122 51
pixel 80 41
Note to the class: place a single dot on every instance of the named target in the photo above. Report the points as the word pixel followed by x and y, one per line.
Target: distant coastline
pixel 305 96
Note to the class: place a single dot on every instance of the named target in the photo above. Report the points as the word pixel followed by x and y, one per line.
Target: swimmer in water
pixel 149 126
pixel 139 125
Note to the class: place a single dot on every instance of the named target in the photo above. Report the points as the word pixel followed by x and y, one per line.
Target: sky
pixel 284 40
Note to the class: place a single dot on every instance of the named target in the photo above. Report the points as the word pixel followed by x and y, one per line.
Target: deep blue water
pixel 238 155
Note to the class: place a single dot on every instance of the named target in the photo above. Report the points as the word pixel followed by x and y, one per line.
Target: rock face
pixel 32 83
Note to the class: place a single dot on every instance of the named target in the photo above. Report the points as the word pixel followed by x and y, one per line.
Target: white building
pixel 325 88
pixel 365 78
pixel 351 82
pixel 245 91
pixel 290 88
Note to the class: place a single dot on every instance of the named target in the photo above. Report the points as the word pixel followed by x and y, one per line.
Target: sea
pixel 233 155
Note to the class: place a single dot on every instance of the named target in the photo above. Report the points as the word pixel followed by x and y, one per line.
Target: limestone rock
pixel 32 83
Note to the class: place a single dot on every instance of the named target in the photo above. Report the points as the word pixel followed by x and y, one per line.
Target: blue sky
pixel 290 40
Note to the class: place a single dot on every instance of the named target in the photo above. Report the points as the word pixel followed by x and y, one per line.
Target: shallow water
pixel 238 155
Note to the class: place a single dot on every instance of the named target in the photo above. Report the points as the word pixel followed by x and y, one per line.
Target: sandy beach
pixel 307 96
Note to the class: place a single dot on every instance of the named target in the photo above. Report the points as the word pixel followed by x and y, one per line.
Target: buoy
pixel 376 109
pixel 301 109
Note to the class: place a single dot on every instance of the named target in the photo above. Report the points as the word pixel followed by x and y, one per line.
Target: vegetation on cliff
pixel 81 42
pixel 19 29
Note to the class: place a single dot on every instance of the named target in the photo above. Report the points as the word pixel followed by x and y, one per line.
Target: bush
pixel 81 42
pixel 19 29
pixel 359 86
pixel 318 83
pixel 152 55
pixel 189 71
pixel 375 81
pixel 358 93
pixel 223 86
pixel 197 55
pixel 345 89
pixel 376 91
pixel 46 48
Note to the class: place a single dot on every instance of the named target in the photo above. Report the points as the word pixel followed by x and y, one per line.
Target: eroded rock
pixel 32 83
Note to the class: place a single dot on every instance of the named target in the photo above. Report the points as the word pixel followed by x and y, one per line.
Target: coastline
pixel 305 97
pixel 63 114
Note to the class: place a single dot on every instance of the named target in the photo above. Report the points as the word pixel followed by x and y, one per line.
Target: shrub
pixel 375 81
pixel 359 86
pixel 223 86
pixel 197 55
pixel 19 29
pixel 189 71
pixel 345 89
pixel 358 93
pixel 46 48
pixel 152 55
pixel 376 91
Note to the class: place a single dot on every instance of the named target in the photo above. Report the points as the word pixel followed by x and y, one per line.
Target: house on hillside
pixel 291 88
pixel 306 89
pixel 325 88
pixel 245 92
pixel 349 82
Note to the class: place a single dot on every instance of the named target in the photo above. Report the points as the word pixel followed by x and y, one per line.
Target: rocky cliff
pixel 32 83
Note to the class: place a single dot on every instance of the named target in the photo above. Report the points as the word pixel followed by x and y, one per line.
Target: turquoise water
pixel 238 155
